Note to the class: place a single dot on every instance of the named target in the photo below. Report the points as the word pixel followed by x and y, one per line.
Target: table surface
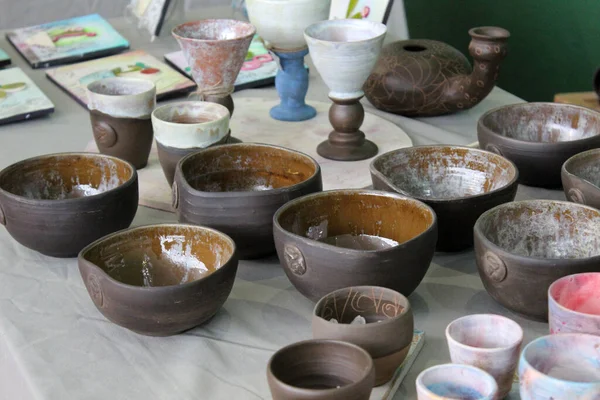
pixel 54 344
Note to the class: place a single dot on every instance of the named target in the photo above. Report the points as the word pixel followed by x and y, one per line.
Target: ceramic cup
pixel 388 326
pixel 561 367
pixel 454 381
pixel 321 370
pixel 188 126
pixel 120 110
pixel 487 341
pixel 574 304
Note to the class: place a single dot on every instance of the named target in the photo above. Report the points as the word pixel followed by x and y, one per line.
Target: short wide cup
pixel 487 341
pixel 454 381
pixel 120 110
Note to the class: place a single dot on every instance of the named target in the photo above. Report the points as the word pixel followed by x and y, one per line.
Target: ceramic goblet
pixel 281 23
pixel 454 381
pixel 344 52
pixel 490 342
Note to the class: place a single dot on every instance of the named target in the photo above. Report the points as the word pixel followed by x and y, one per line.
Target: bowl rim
pixel 526 364
pixel 406 307
pixel 489 378
pixel 554 302
pixel 382 176
pixel 550 262
pixel 22 199
pixel 81 257
pixel 250 193
pixel 177 36
pixel 149 87
pixel 518 143
pixel 455 342
pixel 368 192
pixel 568 164
pixel 350 23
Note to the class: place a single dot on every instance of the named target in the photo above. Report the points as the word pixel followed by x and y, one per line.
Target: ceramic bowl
pixel 321 370
pixel 581 178
pixel 341 238
pixel 560 367
pixel 574 304
pixel 59 203
pixel 159 280
pixel 237 188
pixel 454 381
pixel 387 330
pixel 459 183
pixel 186 127
pixel 539 137
pixel 524 246
pixel 487 341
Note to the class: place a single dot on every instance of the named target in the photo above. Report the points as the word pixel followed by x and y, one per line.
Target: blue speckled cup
pixel 454 381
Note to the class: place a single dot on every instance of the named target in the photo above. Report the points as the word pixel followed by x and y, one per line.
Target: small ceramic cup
pixel 185 127
pixel 120 110
pixel 321 370
pixel 574 304
pixel 387 330
pixel 561 367
pixel 487 341
pixel 454 381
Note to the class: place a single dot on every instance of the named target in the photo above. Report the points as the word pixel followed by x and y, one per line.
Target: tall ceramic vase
pixel 215 50
pixel 344 52
pixel 281 23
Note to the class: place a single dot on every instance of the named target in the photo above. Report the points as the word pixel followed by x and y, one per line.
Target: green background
pixel 554 45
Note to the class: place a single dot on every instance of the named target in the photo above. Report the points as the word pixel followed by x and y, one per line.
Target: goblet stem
pixel 292 85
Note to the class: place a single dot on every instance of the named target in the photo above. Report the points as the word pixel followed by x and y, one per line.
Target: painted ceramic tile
pixel 20 98
pixel 66 41
pixel 135 64
pixel 150 14
pixel 4 58
pixel 374 10
pixel 259 69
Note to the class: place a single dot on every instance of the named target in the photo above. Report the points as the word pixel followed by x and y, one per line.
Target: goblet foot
pixel 302 113
pixel 337 152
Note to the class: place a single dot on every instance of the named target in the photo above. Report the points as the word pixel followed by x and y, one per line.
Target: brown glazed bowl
pixel 386 334
pixel 237 188
pixel 341 238
pixel 59 203
pixel 539 137
pixel 321 370
pixel 521 248
pixel 581 178
pixel 459 183
pixel 159 280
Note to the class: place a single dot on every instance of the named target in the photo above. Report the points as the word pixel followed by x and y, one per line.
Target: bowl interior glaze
pixel 246 168
pixel 543 229
pixel 214 29
pixel 543 122
pixel 345 30
pixel 579 293
pixel 445 172
pixel 163 255
pixel 191 112
pixel 65 176
pixel 586 166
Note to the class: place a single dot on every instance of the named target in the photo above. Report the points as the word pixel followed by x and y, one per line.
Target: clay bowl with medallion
pixel 378 319
pixel 522 247
pixel 57 204
pixel 342 238
pixel 236 188
pixel 459 183
pixel 539 137
pixel 159 280
pixel 581 178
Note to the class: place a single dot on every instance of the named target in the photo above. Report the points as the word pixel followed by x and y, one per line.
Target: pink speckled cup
pixel 574 304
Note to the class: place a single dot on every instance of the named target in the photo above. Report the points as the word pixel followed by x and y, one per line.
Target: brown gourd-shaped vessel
pixel 420 78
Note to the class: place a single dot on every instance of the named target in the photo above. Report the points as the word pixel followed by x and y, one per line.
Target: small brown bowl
pixel 321 370
pixel 341 238
pixel 539 137
pixel 237 188
pixel 459 183
pixel 521 248
pixel 59 203
pixel 581 178
pixel 387 331
pixel 159 280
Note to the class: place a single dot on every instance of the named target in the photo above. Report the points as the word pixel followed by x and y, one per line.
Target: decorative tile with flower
pixel 374 10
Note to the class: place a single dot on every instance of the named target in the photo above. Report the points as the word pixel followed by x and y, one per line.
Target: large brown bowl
pixel 459 183
pixel 237 188
pixel 524 246
pixel 160 280
pixel 581 178
pixel 539 137
pixel 341 238
pixel 59 203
